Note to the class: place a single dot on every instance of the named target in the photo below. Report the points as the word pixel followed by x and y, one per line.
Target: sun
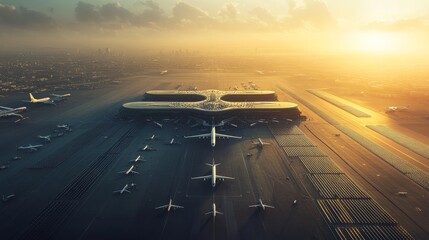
pixel 377 42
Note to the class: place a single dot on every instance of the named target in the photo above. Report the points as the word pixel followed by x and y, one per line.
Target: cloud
pixel 399 25
pixel 189 16
pixel 115 12
pixel 11 16
pixel 86 12
pixel 229 12
pixel 152 15
pixel 310 13
pixel 263 15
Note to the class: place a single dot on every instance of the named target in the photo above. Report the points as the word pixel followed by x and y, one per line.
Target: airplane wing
pixel 223 177
pixel 135 172
pixel 206 135
pixel 16 114
pixel 122 172
pixel 211 212
pixel 257 205
pixel 6 108
pixel 177 206
pixel 227 136
pixel 162 207
pixel 50 101
pixel 202 177
pixel 268 206
pixel 219 213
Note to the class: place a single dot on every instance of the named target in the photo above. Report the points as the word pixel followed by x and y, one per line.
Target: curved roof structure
pixel 212 103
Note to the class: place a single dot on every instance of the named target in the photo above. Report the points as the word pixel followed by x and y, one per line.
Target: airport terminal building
pixel 211 105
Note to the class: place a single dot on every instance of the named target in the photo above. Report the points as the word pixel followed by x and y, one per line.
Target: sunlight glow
pixel 378 42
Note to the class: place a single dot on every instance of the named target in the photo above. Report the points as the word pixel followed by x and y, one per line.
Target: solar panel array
pixel 348 209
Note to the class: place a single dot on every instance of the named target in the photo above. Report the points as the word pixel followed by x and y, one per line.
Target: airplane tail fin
pixel 32 99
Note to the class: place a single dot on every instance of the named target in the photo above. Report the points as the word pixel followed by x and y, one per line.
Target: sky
pixel 373 26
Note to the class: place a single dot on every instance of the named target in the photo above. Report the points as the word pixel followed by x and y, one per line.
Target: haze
pixel 315 26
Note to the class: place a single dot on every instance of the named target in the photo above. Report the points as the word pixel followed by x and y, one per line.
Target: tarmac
pixel 65 190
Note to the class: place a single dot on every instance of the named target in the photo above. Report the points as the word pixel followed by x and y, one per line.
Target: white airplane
pixel 46 138
pixel 253 124
pixel 64 126
pixel 169 206
pixel 158 124
pixel 396 109
pixel 214 212
pixel 8 197
pixel 138 159
pixel 163 72
pixel 213 177
pixel 4 167
pixel 45 100
pixel 129 171
pixel 172 142
pixel 11 112
pixel 29 147
pixel 212 135
pixel 60 97
pixel 260 143
pixel 146 148
pixel 261 205
pixel 153 137
pixel 123 190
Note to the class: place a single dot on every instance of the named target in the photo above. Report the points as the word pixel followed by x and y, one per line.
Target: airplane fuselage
pixel 170 203
pixel 214 210
pixel 262 204
pixel 213 136
pixel 214 175
pixel 130 170
pixel 124 189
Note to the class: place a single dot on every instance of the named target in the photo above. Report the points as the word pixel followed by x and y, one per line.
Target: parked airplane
pixel 153 137
pixel 213 177
pixel 123 190
pixel 163 72
pixel 64 126
pixel 214 212
pixel 261 205
pixel 172 142
pixel 4 167
pixel 29 147
pixel 253 124
pixel 45 100
pixel 60 97
pixel 396 109
pixel 138 159
pixel 12 112
pixel 212 135
pixel 260 143
pixel 8 197
pixel 129 171
pixel 169 206
pixel 46 138
pixel 158 124
pixel 147 148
